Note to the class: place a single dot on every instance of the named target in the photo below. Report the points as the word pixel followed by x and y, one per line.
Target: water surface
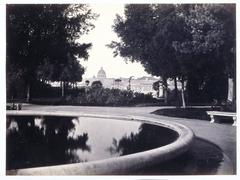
pixel 43 141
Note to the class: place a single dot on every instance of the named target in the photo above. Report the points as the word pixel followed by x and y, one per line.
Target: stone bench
pixel 220 113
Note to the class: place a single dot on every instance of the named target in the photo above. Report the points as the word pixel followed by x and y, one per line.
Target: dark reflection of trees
pixel 148 137
pixel 31 145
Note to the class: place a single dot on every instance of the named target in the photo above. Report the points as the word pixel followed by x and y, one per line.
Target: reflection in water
pixel 40 142
pixel 43 141
pixel 37 141
pixel 101 132
pixel 148 137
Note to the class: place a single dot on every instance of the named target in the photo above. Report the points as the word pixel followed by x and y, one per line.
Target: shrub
pixel 100 96
pixel 228 106
pixel 93 96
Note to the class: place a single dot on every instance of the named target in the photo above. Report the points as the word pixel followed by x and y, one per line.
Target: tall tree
pixel 147 32
pixel 212 42
pixel 41 42
pixel 187 42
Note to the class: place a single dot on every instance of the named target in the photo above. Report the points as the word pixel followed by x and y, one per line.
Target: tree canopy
pixel 41 42
pixel 184 41
pixel 212 30
pixel 147 33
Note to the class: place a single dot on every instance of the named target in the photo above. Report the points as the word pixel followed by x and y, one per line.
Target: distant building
pixel 143 84
pixel 101 74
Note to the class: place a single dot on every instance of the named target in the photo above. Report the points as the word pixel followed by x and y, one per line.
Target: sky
pixel 102 56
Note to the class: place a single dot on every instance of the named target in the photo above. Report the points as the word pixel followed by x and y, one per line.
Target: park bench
pixel 220 113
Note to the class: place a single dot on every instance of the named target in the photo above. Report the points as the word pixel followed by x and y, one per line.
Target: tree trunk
pixel 165 97
pixel 183 98
pixel 232 93
pixel 28 93
pixel 165 93
pixel 176 92
pixel 234 89
pixel 62 85
pixel 231 89
pixel 234 105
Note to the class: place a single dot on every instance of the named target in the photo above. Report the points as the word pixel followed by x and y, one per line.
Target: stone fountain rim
pixel 114 165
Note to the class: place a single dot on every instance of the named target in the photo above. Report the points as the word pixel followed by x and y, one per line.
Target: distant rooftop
pixel 101 74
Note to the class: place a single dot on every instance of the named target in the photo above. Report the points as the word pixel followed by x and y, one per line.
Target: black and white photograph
pixel 115 89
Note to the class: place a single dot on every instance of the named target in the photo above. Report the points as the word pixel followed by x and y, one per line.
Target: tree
pixel 147 33
pixel 156 87
pixel 181 42
pixel 87 82
pixel 212 42
pixel 41 42
pixel 96 85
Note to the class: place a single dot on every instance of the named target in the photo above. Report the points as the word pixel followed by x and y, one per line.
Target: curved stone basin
pixel 118 163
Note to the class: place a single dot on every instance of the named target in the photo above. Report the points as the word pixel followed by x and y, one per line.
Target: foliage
pixel 212 29
pixel 156 85
pixel 117 97
pixel 87 82
pixel 146 34
pixel 93 96
pixel 211 46
pixel 41 42
pixel 96 84
pixel 108 97
pixel 228 106
pixel 179 41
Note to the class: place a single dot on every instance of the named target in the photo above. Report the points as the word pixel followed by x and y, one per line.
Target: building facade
pixel 142 85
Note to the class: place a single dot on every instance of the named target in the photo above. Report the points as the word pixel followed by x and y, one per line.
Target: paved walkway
pixel 223 135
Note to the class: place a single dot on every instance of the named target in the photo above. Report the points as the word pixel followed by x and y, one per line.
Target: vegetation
pixel 194 44
pixel 191 43
pixel 93 96
pixel 41 45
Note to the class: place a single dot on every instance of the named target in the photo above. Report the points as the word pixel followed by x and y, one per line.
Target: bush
pixel 99 96
pixel 95 95
pixel 139 98
pixel 108 97
pixel 228 106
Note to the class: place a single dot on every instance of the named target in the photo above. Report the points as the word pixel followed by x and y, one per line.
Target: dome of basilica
pixel 101 74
